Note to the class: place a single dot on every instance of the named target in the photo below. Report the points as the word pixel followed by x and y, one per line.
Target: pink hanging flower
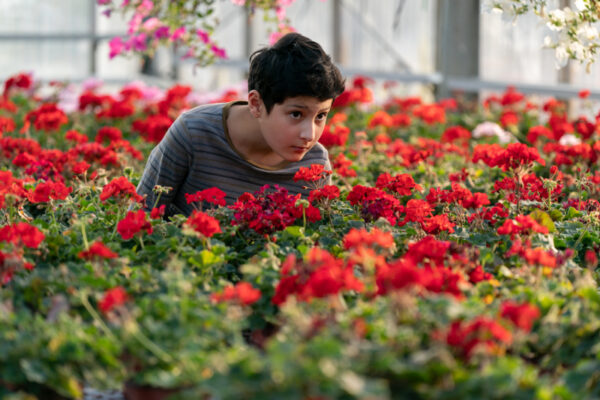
pixel 116 47
pixel 203 35
pixel 178 33
pixel 218 52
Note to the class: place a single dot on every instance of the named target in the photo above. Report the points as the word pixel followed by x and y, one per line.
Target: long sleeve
pixel 168 165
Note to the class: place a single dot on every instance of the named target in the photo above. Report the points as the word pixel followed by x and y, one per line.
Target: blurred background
pixel 432 48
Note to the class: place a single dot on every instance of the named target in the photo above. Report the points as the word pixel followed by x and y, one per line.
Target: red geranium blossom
pixel 97 250
pixel 522 315
pixel 402 184
pixel 212 195
pixel 109 133
pixel 313 173
pixel 243 293
pixel 112 298
pixel 269 210
pixel 417 210
pixel 48 117
pixel 328 192
pixel 7 124
pixel 203 224
pixel 133 223
pixel 22 233
pixel 437 223
pixel 22 81
pixel 481 332
pixel 521 224
pixel 153 128
pixel 75 136
pixel 45 191
pixel 120 188
pixel 360 237
pixel 318 275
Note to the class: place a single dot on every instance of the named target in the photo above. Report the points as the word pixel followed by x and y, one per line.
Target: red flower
pixel 22 232
pixel 314 173
pixel 48 117
pixel 108 132
pixel 80 167
pixel 583 94
pixel 402 184
pixel 478 275
pixel 455 133
pixel 97 249
pixel 437 223
pixel 133 223
pixel 120 188
pixel 318 275
pixel 23 81
pixel 360 237
pixel 328 192
pixel 243 293
pixel 342 166
pixel 380 118
pixel 266 211
pixel 45 191
pixel 430 113
pixel 6 124
pixel 481 332
pixel 521 224
pixel 75 136
pixel 336 136
pixel 375 203
pixel 112 298
pixel 522 315
pixel 212 195
pixel 539 131
pixel 10 186
pixel 153 128
pixel 157 213
pixel 203 224
pixel 417 210
pixel 509 118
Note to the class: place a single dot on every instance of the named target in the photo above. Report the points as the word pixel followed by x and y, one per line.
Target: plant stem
pixel 94 314
pixel 114 232
pixel 152 347
pixel 84 235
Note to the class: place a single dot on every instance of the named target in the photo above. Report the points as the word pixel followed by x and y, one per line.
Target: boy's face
pixel 293 127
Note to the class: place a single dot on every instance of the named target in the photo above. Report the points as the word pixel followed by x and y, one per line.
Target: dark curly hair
pixel 294 66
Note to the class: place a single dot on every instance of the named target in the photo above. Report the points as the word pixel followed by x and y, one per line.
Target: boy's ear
pixel 255 103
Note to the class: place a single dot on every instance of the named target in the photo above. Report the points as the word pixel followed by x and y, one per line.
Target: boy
pixel 241 146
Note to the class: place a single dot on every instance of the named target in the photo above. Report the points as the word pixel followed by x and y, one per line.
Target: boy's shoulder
pixel 213 110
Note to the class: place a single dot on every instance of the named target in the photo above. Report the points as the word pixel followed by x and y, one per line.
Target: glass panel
pixel 47 16
pixel 46 59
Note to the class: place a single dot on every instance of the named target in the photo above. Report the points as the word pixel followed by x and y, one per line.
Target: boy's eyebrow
pixel 306 107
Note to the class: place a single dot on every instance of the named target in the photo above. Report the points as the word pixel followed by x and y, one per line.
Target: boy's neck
pixel 246 137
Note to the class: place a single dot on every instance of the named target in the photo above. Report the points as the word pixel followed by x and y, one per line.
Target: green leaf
pixel 543 219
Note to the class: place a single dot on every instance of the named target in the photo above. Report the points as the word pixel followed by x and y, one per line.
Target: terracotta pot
pixel 133 391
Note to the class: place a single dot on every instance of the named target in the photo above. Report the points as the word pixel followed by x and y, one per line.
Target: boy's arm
pixel 167 165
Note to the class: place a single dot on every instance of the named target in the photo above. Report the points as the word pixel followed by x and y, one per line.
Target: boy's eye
pixel 295 114
pixel 322 116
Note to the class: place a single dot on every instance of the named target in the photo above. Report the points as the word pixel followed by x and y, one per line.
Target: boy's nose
pixel 308 133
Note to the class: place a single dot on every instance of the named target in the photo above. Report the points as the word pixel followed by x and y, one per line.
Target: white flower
pixel 580 4
pixel 556 20
pixel 548 42
pixel 569 140
pixel 577 49
pixel 587 33
pixel 561 55
pixel 488 128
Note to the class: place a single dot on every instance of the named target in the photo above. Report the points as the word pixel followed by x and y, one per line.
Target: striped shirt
pixel 196 153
